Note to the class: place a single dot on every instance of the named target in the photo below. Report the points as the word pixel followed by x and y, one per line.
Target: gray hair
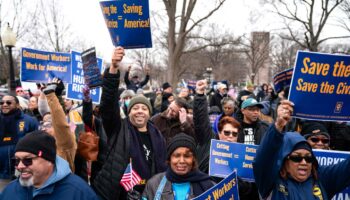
pixel 127 93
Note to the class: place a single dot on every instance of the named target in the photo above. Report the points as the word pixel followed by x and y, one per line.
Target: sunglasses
pixel 316 140
pixel 298 159
pixel 228 133
pixel 25 161
pixel 5 102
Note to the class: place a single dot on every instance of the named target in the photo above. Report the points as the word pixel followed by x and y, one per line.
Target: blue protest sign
pixel 128 23
pixel 228 156
pixel 225 190
pixel 92 72
pixel 74 90
pixel 320 87
pixel 41 66
pixel 326 158
pixel 282 79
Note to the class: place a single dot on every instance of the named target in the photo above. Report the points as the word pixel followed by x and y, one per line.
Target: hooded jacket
pixel 62 184
pixel 18 124
pixel 269 160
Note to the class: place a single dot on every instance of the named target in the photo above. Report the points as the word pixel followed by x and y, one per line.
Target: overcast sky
pixel 234 15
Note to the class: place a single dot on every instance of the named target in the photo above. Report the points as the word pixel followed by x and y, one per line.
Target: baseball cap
pixel 250 102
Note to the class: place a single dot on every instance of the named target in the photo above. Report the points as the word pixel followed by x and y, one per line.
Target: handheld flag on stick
pixel 130 178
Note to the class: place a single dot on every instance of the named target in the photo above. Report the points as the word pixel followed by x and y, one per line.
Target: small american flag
pixel 130 178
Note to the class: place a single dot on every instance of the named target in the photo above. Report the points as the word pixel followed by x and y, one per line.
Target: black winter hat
pixel 181 140
pixel 313 129
pixel 166 85
pixel 39 143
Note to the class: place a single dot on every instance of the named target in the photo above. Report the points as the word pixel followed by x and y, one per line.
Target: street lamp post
pixel 9 40
pixel 209 70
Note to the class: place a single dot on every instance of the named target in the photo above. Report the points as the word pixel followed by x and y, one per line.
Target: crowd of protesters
pixel 166 137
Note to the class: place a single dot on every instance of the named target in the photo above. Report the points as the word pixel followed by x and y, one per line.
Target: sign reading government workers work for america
pixel 41 66
pixel 320 87
pixel 128 23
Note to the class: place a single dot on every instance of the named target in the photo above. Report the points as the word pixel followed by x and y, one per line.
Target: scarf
pixel 200 181
pixel 9 127
pixel 138 156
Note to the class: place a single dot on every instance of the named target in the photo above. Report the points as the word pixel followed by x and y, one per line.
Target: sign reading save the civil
pixel 320 87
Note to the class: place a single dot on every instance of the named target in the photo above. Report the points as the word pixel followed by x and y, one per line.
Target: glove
pixel 60 87
pixel 86 93
pixel 50 88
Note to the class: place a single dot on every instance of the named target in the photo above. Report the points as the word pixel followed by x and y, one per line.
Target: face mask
pixel 127 102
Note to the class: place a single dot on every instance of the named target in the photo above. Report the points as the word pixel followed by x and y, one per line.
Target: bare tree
pixel 19 17
pixel 283 53
pixel 180 28
pixel 306 19
pixel 344 22
pixel 256 49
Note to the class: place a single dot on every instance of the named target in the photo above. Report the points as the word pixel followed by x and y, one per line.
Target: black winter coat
pixel 107 182
pixel 204 133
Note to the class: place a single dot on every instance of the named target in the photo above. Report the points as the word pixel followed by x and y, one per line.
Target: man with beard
pixel 131 140
pixel 253 129
pixel 174 120
pixel 42 174
pixel 14 124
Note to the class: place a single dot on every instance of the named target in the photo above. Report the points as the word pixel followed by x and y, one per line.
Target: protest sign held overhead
pixel 42 66
pixel 320 87
pixel 92 73
pixel 228 156
pixel 282 79
pixel 74 90
pixel 128 23
pixel 227 189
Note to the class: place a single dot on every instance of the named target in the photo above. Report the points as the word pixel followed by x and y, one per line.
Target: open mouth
pixel 302 172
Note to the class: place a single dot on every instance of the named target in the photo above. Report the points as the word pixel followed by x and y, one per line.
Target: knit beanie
pixel 166 85
pixel 140 99
pixel 181 140
pixel 39 143
pixel 314 129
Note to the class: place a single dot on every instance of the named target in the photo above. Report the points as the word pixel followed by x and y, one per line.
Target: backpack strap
pixel 160 188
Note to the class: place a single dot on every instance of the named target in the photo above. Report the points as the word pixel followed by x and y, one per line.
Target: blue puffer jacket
pixel 62 184
pixel 24 124
pixel 269 161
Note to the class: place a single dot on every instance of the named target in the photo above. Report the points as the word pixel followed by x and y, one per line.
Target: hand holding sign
pixel 117 56
pixel 284 112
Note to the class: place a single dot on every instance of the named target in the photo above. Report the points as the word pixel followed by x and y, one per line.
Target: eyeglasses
pixel 5 102
pixel 19 91
pixel 25 161
pixel 316 140
pixel 298 159
pixel 228 133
